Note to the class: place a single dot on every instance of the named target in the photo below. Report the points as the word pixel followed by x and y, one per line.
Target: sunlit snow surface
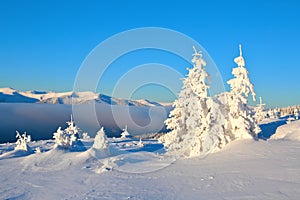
pixel 290 131
pixel 244 169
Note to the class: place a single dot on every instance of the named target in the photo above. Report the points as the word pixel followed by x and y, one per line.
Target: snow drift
pixel 289 131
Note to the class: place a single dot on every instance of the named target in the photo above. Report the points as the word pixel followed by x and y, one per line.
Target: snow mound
pixel 290 131
pixel 59 159
pixel 142 162
pixel 14 154
pixel 53 160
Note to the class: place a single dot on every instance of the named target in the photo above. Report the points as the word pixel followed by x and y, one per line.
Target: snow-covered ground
pixel 244 169
pixel 290 131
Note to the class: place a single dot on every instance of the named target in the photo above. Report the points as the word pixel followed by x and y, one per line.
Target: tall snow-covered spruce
pixel 194 112
pixel 241 122
pixel 200 124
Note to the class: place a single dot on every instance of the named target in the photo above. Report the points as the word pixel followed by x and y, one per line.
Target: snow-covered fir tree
pixel 125 133
pixel 67 138
pixel 276 112
pixel 85 136
pixel 216 137
pixel 140 143
pixel 195 122
pixel 101 147
pixel 100 141
pixel 259 111
pixel 72 129
pixel 288 110
pixel 200 124
pixel 296 113
pixel 22 141
pixel 273 113
pixel 241 122
pixel 38 150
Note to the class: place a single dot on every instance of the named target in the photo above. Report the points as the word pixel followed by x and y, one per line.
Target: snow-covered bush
pixel 66 138
pixel 140 143
pixel 72 129
pixel 38 150
pixel 85 136
pixel 100 141
pixel 125 133
pixel 22 141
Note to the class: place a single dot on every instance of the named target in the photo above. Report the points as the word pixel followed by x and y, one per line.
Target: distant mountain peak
pixel 7 90
pixel 10 95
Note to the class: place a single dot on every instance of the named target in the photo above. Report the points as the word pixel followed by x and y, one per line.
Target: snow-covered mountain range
pixel 9 95
pixel 41 113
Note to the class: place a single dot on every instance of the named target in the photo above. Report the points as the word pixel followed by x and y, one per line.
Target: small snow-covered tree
pixel 276 112
pixel 140 143
pixel 100 141
pixel 241 122
pixel 272 113
pixel 259 111
pixel 72 129
pixel 125 133
pixel 38 150
pixel 67 138
pixel 22 141
pixel 296 113
pixel 85 136
pixel 101 147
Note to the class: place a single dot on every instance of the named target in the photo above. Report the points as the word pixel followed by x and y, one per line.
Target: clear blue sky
pixel 43 43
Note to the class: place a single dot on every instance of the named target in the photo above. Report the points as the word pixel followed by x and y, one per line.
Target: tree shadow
pixel 148 148
pixel 267 130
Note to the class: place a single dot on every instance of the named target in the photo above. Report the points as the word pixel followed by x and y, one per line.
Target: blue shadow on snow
pixel 267 130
